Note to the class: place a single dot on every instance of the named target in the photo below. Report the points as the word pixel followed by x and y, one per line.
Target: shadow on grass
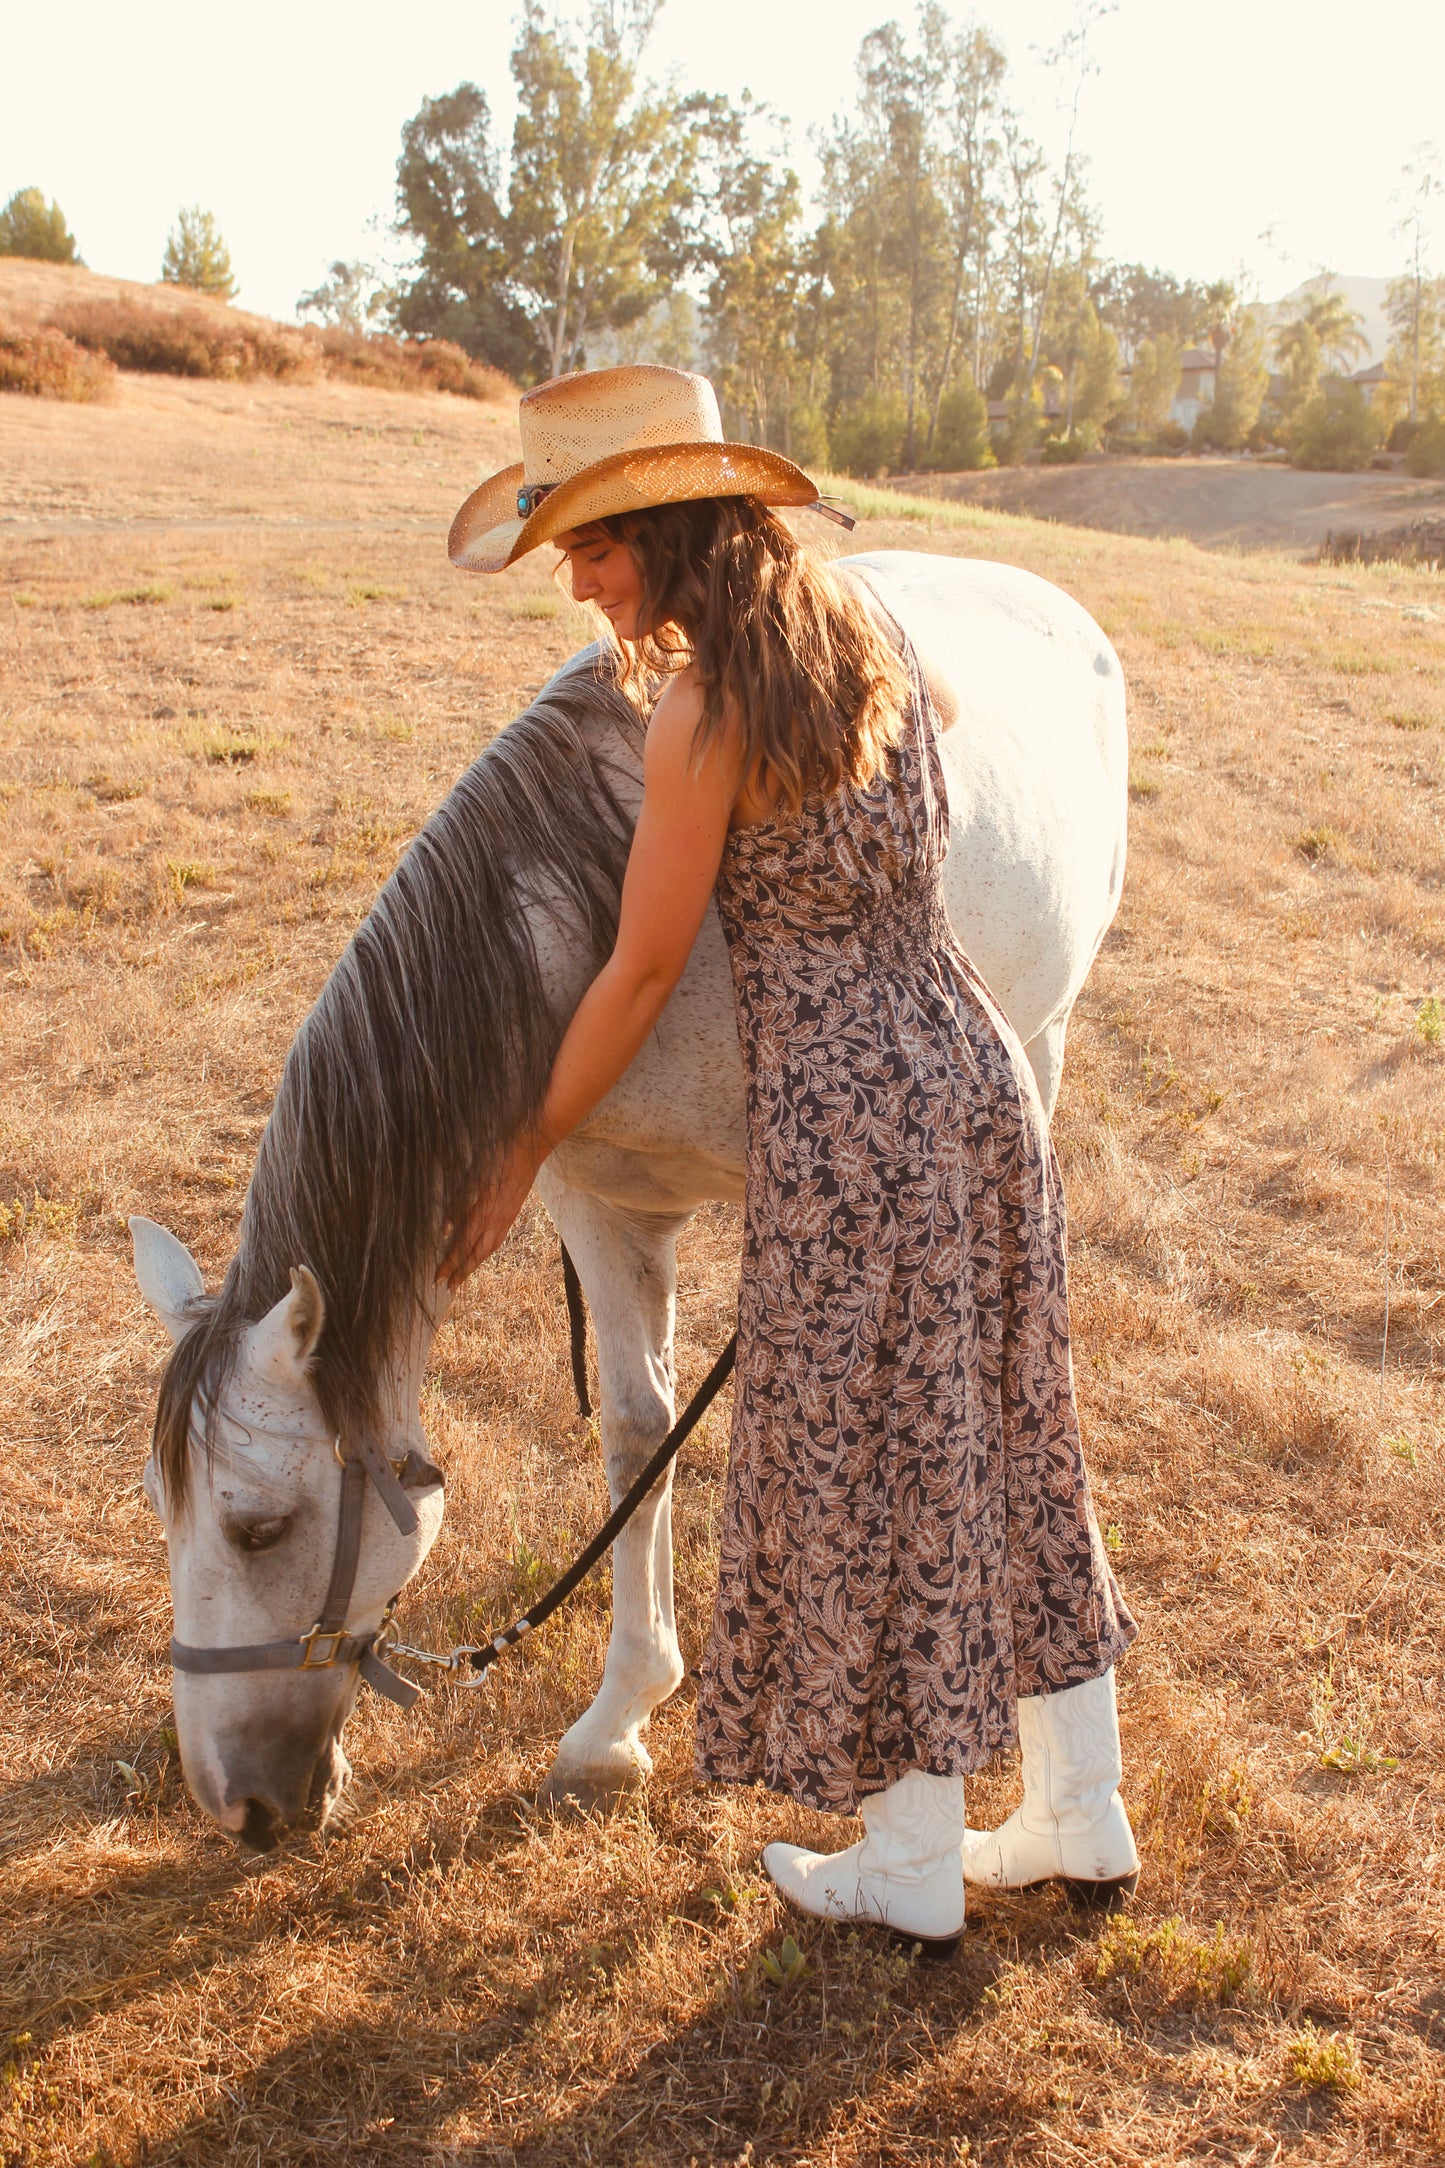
pixel 851 2046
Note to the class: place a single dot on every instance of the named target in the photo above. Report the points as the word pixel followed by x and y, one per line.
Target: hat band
pixel 531 495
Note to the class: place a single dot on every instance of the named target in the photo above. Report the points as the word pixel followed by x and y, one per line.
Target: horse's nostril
pixel 261 1829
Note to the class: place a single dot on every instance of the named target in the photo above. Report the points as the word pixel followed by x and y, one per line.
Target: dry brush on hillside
pixel 216 740
pixel 170 331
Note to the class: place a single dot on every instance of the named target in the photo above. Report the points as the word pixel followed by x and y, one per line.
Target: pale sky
pixel 1209 124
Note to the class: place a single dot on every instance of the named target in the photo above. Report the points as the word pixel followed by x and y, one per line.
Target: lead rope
pixel 479 1658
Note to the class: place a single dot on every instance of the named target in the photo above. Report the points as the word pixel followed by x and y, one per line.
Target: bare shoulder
pixel 679 709
pixel 672 733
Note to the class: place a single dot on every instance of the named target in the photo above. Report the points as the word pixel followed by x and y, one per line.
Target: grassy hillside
pixel 170 330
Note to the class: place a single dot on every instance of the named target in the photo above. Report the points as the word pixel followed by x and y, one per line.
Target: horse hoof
pixel 577 1794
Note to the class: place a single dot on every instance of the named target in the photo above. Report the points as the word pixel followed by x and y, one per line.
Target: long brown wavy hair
pixel 788 658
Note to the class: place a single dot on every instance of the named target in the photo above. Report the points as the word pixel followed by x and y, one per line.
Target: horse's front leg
pixel 627 1264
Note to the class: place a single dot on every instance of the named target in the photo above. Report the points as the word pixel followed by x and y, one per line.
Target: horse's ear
pixel 167 1274
pixel 282 1345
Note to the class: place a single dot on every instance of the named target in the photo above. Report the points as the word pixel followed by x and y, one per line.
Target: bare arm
pixel 671 870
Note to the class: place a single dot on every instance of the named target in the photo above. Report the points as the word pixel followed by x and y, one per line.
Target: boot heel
pixel 929 1949
pixel 1101 1896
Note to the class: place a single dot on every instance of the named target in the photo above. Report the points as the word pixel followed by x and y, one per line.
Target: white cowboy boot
pixel 1072 1826
pixel 906 1875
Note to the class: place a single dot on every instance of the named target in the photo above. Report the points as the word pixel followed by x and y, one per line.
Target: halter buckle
pixel 310 1661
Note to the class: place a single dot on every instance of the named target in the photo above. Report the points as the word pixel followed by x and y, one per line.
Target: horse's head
pixel 253 1539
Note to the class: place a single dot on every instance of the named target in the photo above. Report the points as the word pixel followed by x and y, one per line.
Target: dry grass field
pixel 235 673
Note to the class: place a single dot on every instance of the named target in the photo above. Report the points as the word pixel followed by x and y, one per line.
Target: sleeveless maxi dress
pixel 908 1543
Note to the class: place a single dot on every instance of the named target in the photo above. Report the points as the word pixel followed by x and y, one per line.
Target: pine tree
pixel 197 257
pixel 1240 384
pixel 1297 350
pixel 1153 381
pixel 29 226
pixel 962 440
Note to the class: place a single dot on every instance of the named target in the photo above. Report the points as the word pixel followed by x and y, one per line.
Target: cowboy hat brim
pixel 487 534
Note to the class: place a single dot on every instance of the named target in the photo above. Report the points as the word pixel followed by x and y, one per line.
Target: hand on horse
pixel 491 1217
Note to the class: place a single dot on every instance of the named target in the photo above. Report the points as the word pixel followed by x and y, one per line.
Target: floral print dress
pixel 908 1543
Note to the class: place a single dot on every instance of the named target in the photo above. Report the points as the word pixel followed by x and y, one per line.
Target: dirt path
pixel 1221 503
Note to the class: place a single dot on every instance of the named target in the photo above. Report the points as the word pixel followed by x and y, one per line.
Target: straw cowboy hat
pixel 606 441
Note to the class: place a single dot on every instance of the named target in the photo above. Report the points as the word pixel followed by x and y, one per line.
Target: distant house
pixel 1198 368
pixel 1370 381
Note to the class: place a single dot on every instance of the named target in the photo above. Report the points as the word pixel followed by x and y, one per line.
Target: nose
pixel 287 1790
pixel 299 1801
pixel 260 1831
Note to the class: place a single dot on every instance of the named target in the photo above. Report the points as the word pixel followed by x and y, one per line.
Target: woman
pixel 911 1574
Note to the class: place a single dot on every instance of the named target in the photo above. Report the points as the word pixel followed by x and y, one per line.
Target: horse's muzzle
pixel 290 1794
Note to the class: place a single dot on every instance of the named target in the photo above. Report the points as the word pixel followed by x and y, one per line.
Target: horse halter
pixel 327 1644
pixel 367 1460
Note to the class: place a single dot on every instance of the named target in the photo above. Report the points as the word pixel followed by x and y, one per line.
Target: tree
pixel 1337 431
pixel 961 440
pixel 1221 314
pixel 1073 51
pixel 1083 350
pixel 1021 234
pixel 29 226
pixel 351 296
pixel 670 336
pixel 755 291
pixel 1335 324
pixel 911 212
pixel 604 213
pixel 1240 383
pixel 1415 360
pixel 975 68
pixel 1411 297
pixel 1138 304
pixel 1092 387
pixel 1153 382
pixel 197 257
pixel 450 206
pixel 900 103
pixel 890 275
pixel 1298 351
pixel 1325 329
pixel 1425 453
pixel 867 436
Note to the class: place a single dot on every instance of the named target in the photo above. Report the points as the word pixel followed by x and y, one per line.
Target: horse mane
pixel 427 1050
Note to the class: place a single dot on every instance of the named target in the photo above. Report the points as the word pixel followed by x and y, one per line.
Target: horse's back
pixel 1037 768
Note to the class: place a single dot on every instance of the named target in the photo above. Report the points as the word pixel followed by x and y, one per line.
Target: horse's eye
pixel 255 1532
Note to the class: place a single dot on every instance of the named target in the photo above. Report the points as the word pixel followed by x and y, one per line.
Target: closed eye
pixel 254 1532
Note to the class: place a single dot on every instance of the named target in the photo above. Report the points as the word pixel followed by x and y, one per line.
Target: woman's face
pixel 604 572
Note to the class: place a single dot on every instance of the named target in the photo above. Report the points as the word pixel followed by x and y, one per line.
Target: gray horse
pixel 428 1047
